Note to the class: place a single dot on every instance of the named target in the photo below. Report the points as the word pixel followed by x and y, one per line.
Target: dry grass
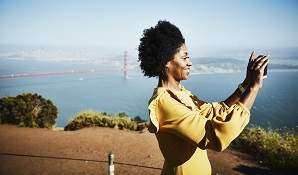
pixel 276 149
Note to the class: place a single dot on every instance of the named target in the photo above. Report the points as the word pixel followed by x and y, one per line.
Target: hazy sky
pixel 238 24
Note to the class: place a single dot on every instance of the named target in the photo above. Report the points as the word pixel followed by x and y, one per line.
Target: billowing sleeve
pixel 209 126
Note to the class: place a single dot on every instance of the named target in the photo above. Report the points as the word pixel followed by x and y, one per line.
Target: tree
pixel 28 110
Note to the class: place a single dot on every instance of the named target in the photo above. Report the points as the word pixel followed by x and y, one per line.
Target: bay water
pixel 276 105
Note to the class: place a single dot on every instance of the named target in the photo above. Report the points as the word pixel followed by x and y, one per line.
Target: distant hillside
pixel 225 65
pixel 280 59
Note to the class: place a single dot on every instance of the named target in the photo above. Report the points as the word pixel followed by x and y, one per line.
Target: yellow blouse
pixel 186 126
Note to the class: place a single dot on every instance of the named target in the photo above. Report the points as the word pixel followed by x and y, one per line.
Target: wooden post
pixel 111 163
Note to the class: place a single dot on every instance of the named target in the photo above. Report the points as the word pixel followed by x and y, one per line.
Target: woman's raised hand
pixel 255 70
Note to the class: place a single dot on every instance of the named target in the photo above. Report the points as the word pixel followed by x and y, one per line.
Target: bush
pixel 28 110
pixel 142 124
pixel 90 118
pixel 276 149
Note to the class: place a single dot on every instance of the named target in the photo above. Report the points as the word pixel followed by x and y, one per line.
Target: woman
pixel 184 125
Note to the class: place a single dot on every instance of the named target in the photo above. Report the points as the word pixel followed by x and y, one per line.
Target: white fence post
pixel 111 163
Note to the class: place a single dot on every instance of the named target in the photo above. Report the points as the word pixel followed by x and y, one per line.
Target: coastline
pixel 85 151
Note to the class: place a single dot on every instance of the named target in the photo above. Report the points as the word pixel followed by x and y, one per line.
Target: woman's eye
pixel 185 58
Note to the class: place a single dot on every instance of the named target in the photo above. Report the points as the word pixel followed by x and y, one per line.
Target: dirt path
pixel 43 151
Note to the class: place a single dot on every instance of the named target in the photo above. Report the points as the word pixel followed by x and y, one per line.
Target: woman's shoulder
pixel 157 93
pixel 164 96
pixel 165 92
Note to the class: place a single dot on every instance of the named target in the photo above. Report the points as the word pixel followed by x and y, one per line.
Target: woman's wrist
pixel 245 83
pixel 249 96
pixel 241 88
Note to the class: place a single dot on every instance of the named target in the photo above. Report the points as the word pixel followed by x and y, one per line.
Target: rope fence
pixel 111 161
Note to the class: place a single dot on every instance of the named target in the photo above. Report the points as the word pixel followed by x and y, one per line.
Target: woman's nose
pixel 189 63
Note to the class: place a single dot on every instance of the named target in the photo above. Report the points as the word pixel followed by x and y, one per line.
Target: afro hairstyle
pixel 158 46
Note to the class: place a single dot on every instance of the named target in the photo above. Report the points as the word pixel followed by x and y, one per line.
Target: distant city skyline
pixel 117 24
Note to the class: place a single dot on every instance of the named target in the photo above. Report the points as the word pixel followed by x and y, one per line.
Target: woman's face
pixel 178 68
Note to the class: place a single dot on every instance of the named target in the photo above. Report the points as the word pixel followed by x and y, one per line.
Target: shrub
pixel 142 124
pixel 276 149
pixel 90 118
pixel 138 119
pixel 28 110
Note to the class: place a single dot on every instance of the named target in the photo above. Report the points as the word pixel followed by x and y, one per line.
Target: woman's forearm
pixel 249 96
pixel 234 98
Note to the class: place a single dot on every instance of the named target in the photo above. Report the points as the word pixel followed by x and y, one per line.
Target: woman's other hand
pixel 255 70
pixel 254 79
pixel 252 83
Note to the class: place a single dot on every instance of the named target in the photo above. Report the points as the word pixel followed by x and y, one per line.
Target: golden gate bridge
pixel 125 70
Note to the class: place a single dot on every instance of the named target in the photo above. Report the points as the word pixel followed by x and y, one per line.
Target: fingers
pixel 261 64
pixel 258 63
pixel 252 55
pixel 261 61
pixel 264 62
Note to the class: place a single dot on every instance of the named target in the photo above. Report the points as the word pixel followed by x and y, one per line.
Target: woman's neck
pixel 166 83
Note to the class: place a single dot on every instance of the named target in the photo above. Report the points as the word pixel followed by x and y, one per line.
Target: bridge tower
pixel 125 65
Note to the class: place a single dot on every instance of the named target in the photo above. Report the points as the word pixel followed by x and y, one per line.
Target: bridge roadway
pixel 59 73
